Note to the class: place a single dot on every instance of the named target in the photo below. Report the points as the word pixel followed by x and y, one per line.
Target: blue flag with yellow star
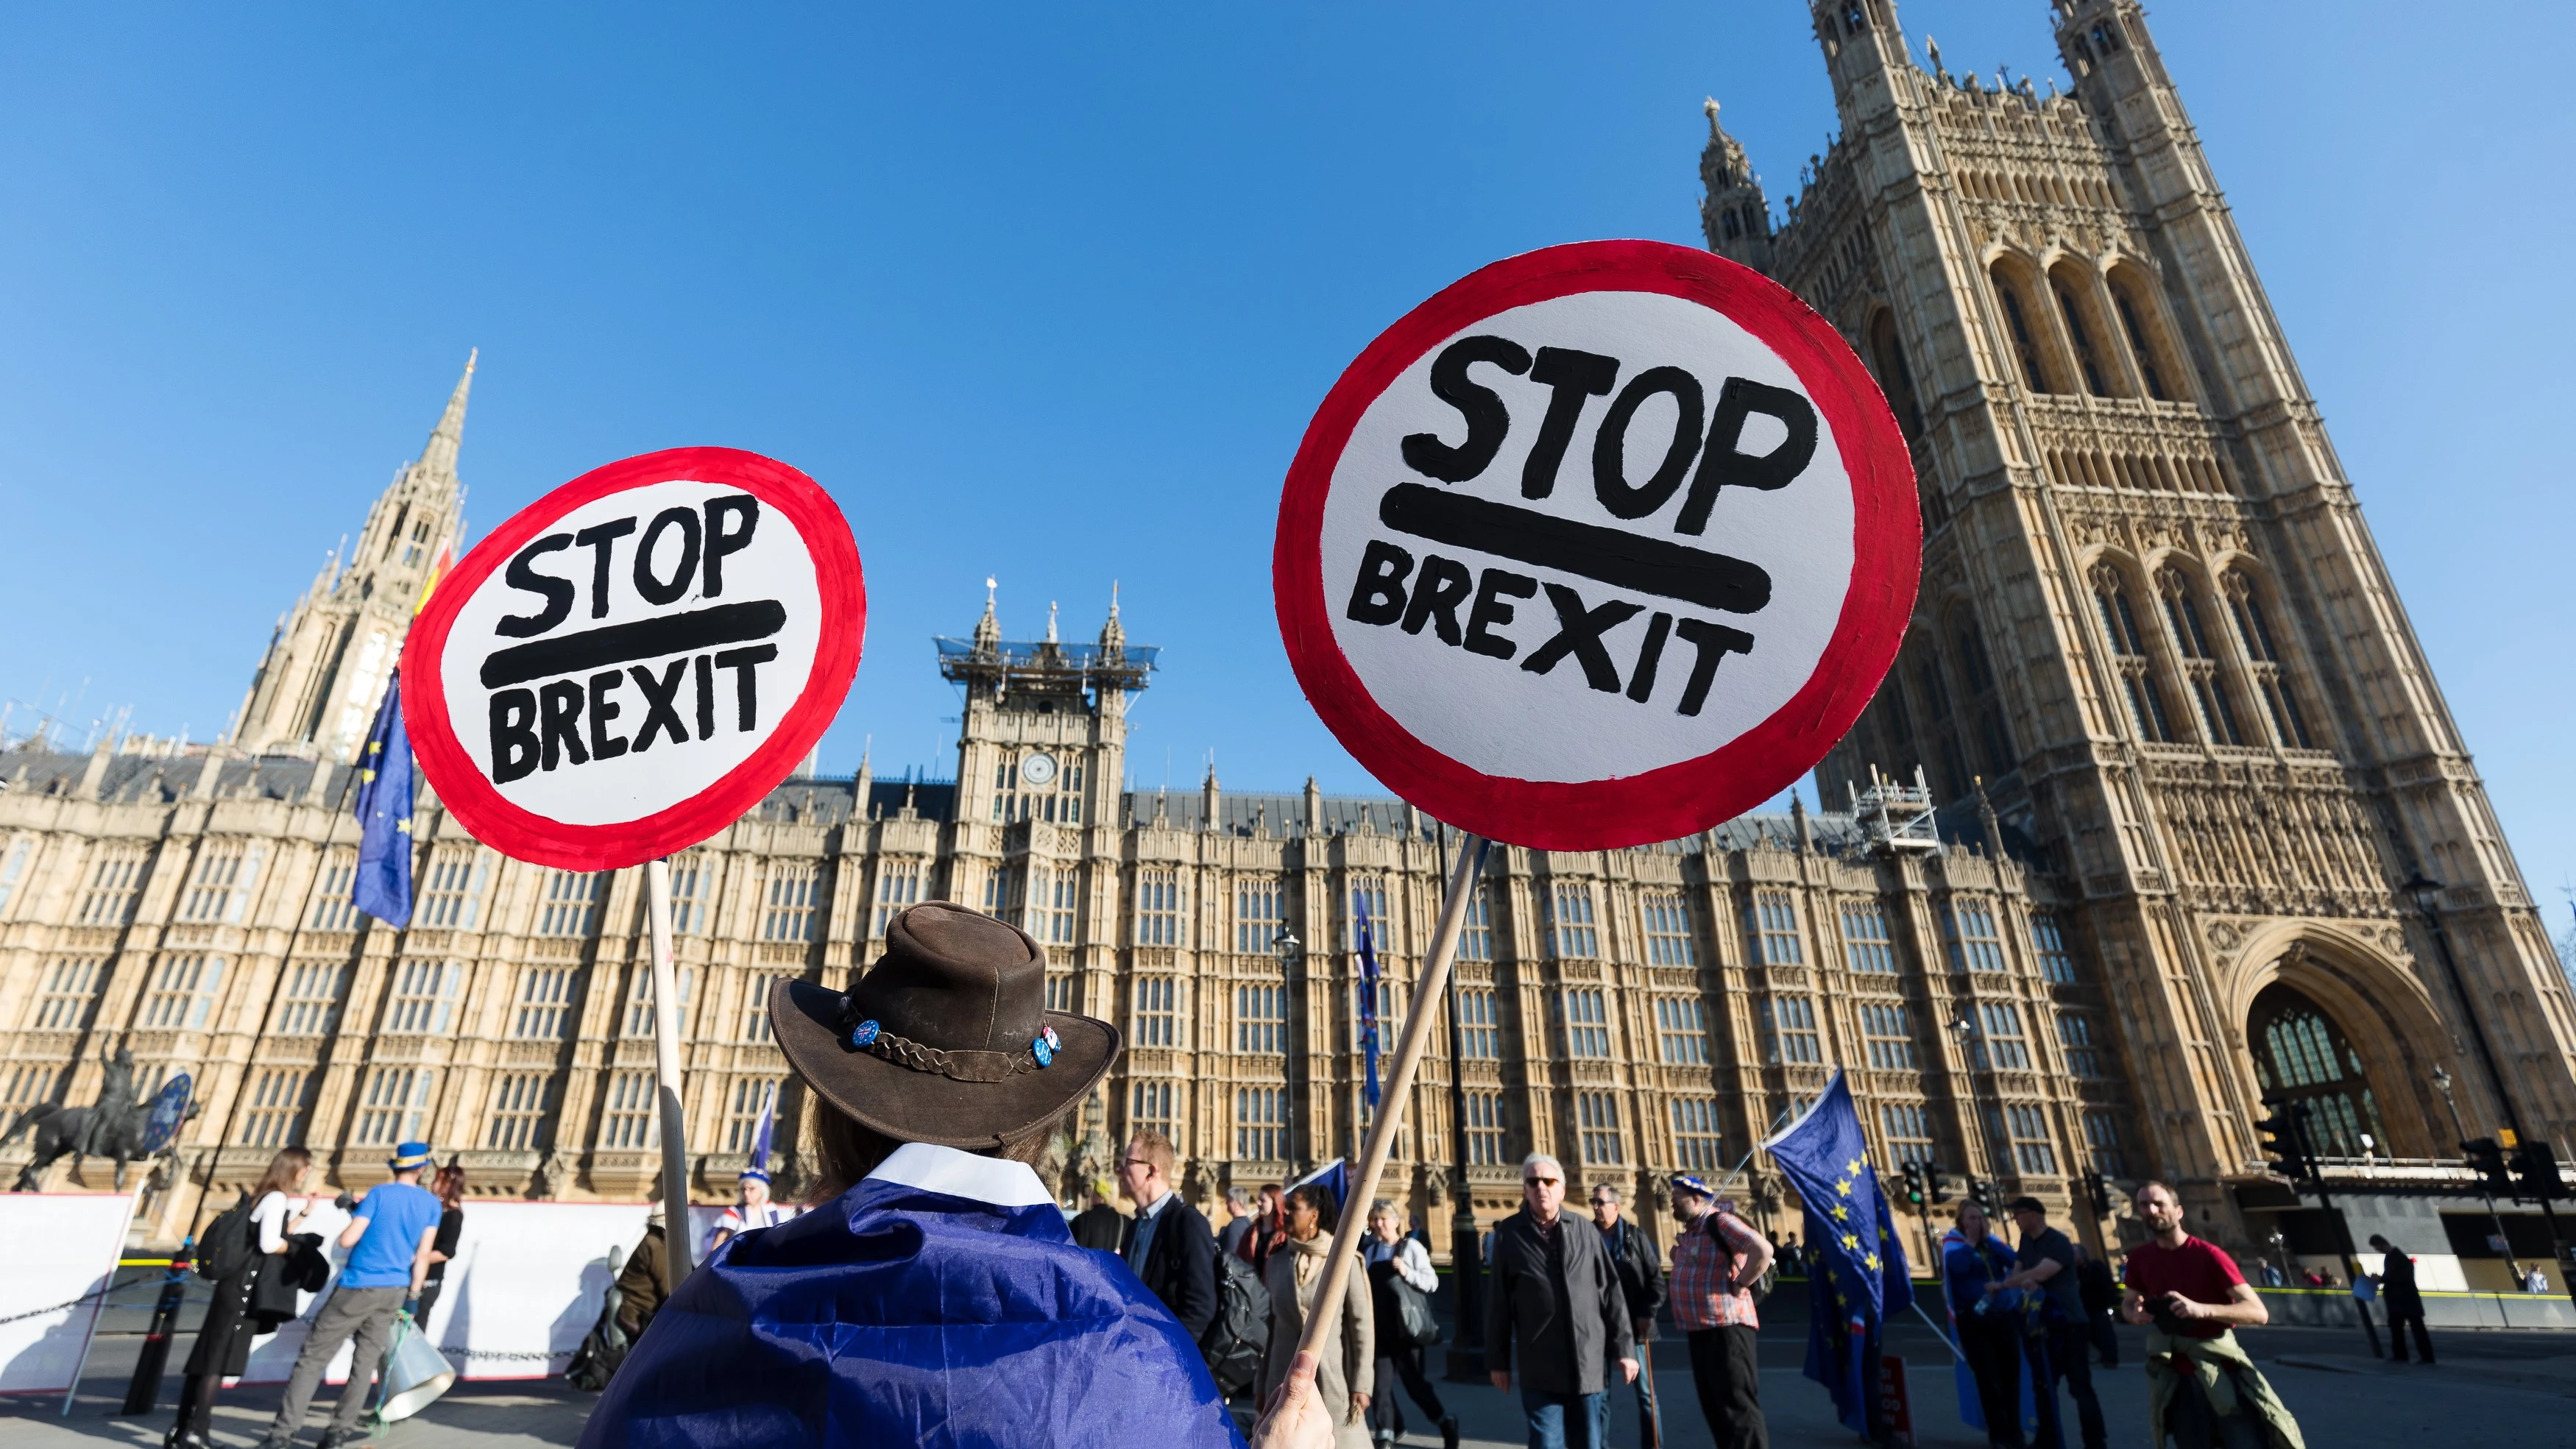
pixel 1856 1272
pixel 384 796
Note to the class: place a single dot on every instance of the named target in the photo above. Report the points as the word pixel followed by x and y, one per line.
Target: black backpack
pixel 229 1244
pixel 1240 1332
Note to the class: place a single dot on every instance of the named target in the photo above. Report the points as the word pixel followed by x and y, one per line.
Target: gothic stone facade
pixel 2152 617
pixel 1634 1012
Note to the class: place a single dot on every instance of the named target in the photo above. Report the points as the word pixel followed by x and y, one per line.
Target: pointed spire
pixel 1113 634
pixel 988 630
pixel 438 458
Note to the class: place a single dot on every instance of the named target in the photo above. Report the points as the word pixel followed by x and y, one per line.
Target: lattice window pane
pixel 1968 927
pixel 1261 1124
pixel 183 992
pixel 332 908
pixel 520 1103
pixel 1865 940
pixel 572 902
pixel 788 910
pixel 1789 1028
pixel 1775 917
pixel 2055 962
pixel 626 1119
pixel 1478 1036
pixel 898 889
pixel 424 997
pixel 309 1004
pixel 1259 916
pixel 69 994
pixel 274 1115
pixel 452 894
pixel 1681 1028
pixel 1668 931
pixel 1157 1018
pixel 743 1106
pixel 1158 908
pixel 1696 1146
pixel 1907 1133
pixel 1153 1104
pixel 1572 934
pixel 1261 1019
pixel 1597 1114
pixel 1485 1135
pixel 395 1105
pixel 543 1010
pixel 1586 1017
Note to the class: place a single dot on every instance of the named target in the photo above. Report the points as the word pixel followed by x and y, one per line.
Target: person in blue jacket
pixel 932 1296
pixel 1989 1320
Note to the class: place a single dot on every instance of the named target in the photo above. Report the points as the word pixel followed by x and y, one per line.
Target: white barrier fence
pixel 54 1274
pixel 527 1283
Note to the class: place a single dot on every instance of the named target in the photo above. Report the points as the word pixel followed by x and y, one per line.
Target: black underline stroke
pixel 1611 556
pixel 643 639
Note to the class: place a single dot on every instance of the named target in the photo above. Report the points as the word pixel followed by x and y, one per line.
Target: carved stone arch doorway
pixel 2323 1013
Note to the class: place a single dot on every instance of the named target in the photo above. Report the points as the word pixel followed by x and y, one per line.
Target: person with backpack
pixel 237 1247
pixel 1400 1286
pixel 1239 1336
pixel 391 1234
pixel 1720 1266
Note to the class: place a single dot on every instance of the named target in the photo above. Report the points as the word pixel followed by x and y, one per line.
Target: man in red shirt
pixel 2200 1385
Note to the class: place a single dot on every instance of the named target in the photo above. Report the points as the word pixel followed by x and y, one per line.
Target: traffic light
pixel 2284 1140
pixel 1982 1193
pixel 2486 1159
pixel 2097 1190
pixel 2535 1170
pixel 1913 1191
pixel 1938 1192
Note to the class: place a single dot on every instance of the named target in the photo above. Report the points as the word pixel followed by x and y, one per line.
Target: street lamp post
pixel 2427 893
pixel 1284 946
pixel 2442 1084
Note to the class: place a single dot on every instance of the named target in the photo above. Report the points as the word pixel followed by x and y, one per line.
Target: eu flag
pixel 1856 1272
pixel 383 885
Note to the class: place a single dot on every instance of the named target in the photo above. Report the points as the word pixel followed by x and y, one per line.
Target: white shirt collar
pixel 995 1180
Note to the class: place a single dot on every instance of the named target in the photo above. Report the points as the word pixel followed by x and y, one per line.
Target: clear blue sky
pixel 1049 293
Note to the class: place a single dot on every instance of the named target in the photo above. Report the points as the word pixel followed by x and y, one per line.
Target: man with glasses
pixel 1167 1243
pixel 1641 1283
pixel 1555 1316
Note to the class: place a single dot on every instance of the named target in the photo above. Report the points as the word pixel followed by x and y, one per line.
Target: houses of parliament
pixel 2160 813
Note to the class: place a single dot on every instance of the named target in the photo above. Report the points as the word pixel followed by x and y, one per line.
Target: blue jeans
pixel 1551 1427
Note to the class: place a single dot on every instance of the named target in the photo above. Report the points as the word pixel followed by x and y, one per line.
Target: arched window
pixel 2129 302
pixel 2300 1055
pixel 2019 322
pixel 2073 290
pixel 2199 662
pixel 1733 227
pixel 1893 375
pixel 2128 646
pixel 2266 664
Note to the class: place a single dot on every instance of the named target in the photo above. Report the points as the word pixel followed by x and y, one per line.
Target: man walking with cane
pixel 1641 1283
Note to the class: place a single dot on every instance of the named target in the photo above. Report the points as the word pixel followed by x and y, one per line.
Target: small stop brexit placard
pixel 635 659
pixel 1602 545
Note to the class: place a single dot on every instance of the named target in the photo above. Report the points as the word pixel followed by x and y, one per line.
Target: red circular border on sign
pixel 525 835
pixel 1689 795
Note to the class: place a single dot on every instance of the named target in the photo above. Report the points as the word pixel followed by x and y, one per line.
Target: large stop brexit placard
pixel 1602 545
pixel 635 659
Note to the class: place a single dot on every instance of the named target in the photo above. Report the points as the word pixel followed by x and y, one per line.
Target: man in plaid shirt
pixel 1716 1260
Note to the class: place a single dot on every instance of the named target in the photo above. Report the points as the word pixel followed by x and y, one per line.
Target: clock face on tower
pixel 1038 769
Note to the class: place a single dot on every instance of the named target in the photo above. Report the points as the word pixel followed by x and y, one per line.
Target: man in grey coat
pixel 1555 1315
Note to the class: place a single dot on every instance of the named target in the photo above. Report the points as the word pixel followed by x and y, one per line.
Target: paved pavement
pixel 2490 1387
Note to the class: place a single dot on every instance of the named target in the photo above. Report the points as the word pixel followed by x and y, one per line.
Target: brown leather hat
pixel 946 1039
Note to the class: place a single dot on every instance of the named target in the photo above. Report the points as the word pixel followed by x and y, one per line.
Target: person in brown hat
pixel 933 1295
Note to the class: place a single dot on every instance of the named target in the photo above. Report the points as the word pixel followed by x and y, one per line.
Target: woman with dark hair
pixel 1295 1273
pixel 224 1339
pixel 450 1187
pixel 933 1295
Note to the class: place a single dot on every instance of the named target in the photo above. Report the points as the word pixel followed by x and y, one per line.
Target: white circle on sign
pixel 1038 769
pixel 602 690
pixel 1558 725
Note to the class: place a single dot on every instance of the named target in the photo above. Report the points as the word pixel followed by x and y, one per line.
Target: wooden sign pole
pixel 666 1061
pixel 1463 876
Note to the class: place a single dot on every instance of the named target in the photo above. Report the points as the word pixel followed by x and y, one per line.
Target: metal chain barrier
pixel 57 1308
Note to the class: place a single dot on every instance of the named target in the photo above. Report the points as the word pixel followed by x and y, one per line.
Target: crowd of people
pixel 1151 1319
